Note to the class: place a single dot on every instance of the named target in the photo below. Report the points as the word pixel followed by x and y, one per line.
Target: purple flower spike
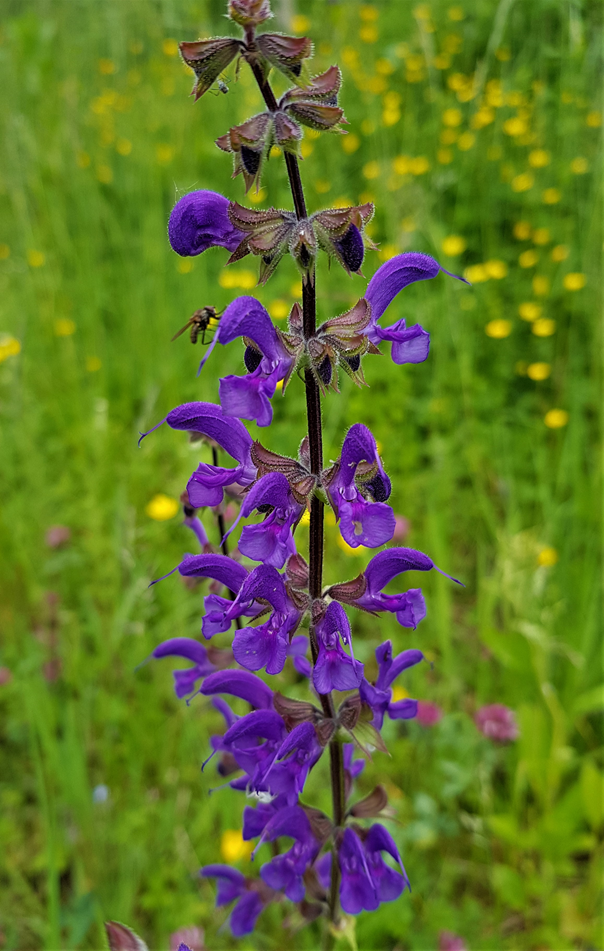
pixel 265 357
pixel 271 542
pixel 185 681
pixel 200 221
pixel 285 872
pixel 265 646
pixel 358 491
pixel 231 884
pixel 357 890
pixel 409 344
pixel 497 722
pixel 335 670
pixel 240 684
pixel 297 755
pixel 378 696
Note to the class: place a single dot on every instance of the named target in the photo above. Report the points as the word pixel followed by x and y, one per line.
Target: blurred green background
pixel 476 129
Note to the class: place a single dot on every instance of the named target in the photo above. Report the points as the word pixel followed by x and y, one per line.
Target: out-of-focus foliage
pixel 476 129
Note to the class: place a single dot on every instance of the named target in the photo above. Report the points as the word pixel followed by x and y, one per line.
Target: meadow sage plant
pixel 343 861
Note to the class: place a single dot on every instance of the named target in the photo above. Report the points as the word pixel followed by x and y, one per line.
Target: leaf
pixel 349 592
pixel 286 53
pixel 294 712
pixel 591 782
pixel 121 938
pixel 588 702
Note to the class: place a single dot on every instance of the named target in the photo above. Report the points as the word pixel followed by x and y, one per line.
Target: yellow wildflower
pixel 184 266
pixel 515 126
pixel 368 34
pixel 388 252
pixel 530 311
pixel 579 166
pixel 559 253
pixel 496 269
pixel 233 846
pixel 300 23
pixel 453 245
pixel 349 549
pixel 442 61
pixel 164 153
pixel 93 364
pixel 523 182
pixel 522 230
pixel 540 285
pixel 548 556
pixel 419 165
pixel 35 259
pixel 543 327
pixel 551 196
pixel 476 273
pixel 104 174
pixel 574 281
pixel 498 329
pixel 555 419
pixel 541 236
pixel 9 347
pixel 371 170
pixel 466 141
pixel 124 146
pixel 593 119
pixel 445 156
pixel 538 158
pixel 64 327
pixel 368 13
pixel 451 117
pixel 455 13
pixel 170 47
pixel 538 371
pixel 399 693
pixel 482 117
pixel 257 197
pixel 350 143
pixel 408 224
pixel 106 67
pixel 528 259
pixel 278 309
pixel 162 507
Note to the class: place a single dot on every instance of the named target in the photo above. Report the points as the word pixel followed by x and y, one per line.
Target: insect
pixel 222 87
pixel 199 322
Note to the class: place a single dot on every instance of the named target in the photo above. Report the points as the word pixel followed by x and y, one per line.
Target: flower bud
pixel 249 12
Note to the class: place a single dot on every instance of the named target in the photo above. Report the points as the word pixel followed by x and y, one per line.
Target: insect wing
pixel 182 330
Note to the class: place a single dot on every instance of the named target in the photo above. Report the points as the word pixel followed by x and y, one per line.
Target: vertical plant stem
pixel 316 527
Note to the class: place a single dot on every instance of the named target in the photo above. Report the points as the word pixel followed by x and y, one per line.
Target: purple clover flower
pixel 378 696
pixel 358 490
pixel 199 221
pixel 266 359
pixel 497 722
pixel 334 670
pixel 409 345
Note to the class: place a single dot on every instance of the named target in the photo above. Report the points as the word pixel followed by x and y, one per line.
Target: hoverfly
pixel 199 323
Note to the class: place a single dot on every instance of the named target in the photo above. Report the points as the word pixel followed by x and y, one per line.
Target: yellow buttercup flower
pixel 162 507
pixel 35 259
pixel 349 549
pixel 124 146
pixel 234 847
pixel 401 164
pixel 305 519
pixel 350 143
pixel 559 253
pixel 593 119
pixel 544 327
pixel 278 309
pixel 555 419
pixel 453 245
pixel 257 197
pixel 530 311
pixel 164 153
pixel 368 13
pixel 387 252
pixel 528 259
pixel 93 364
pixel 515 126
pixel 538 371
pixel 170 47
pixel 522 230
pixel 445 156
pixel 496 269
pixel 551 196
pixel 368 34
pixel 451 117
pixel 399 693
pixel 476 273
pixel 184 266
pixel 548 556
pixel 300 23
pixel 371 170
pixel 456 14
pixel 237 279
pixel 541 236
pixel 538 158
pixel 574 281
pixel 419 165
pixel 466 141
pixel 498 329
pixel 523 182
pixel 579 166
pixel 106 67
pixel 9 347
pixel 64 327
pixel 104 174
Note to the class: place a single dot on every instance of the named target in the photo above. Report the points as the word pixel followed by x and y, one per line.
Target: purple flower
pixel 220 612
pixel 266 645
pixel 335 670
pixel 497 722
pixel 285 872
pixel 410 345
pixel 200 221
pixel 450 942
pixel 205 488
pixel 428 713
pixel 378 696
pixel 299 752
pixel 357 890
pixel 231 884
pixel 185 681
pixel 265 357
pixel 242 684
pixel 254 741
pixel 358 489
pixel 389 884
pixel 271 541
pixel 297 650
pixel 408 607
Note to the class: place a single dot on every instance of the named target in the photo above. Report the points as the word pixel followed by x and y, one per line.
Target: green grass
pixel 503 845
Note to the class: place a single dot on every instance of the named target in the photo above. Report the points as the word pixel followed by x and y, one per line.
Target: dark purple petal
pixel 249 397
pixel 193 523
pixel 187 648
pixel 210 420
pixel 385 566
pixel 270 542
pixel 379 839
pixel 266 724
pixel 402 710
pixel 265 582
pixel 410 345
pixel 219 567
pixel 240 684
pixel 359 445
pixel 273 490
pixel 246 317
pixel 396 274
pixel 389 668
pixel 412 608
pixel 246 912
pixel 350 248
pixel 230 883
pixel 199 221
pixel 223 708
